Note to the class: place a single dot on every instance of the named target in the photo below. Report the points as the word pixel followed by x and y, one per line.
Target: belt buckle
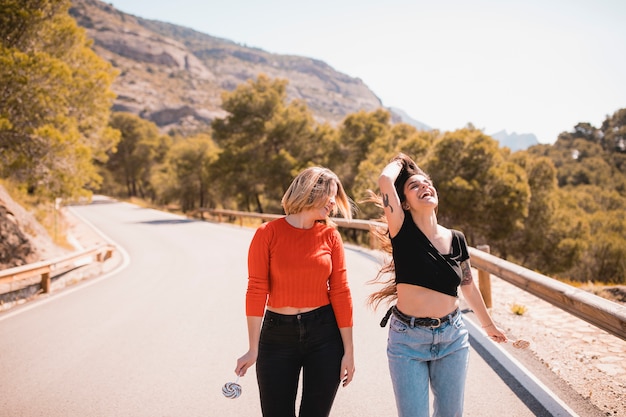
pixel 435 326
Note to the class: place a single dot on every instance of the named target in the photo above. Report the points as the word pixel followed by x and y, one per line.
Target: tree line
pixel 558 209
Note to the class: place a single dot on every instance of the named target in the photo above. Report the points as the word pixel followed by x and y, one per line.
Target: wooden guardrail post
pixel 484 280
pixel 45 282
pixel 104 255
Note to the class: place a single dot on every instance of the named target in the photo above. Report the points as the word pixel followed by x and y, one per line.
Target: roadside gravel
pixel 591 361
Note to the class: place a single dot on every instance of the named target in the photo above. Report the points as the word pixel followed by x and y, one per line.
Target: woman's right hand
pixel 245 362
pixel 398 158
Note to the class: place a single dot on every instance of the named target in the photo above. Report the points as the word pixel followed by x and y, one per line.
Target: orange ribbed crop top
pixel 292 267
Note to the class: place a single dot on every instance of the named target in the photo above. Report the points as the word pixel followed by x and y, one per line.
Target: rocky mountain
pixel 514 141
pixel 22 239
pixel 174 75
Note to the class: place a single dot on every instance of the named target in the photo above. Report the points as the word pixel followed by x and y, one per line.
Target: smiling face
pixel 419 192
pixel 327 206
pixel 319 192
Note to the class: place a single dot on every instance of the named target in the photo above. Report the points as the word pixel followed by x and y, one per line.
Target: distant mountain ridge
pixel 174 76
pixel 405 118
pixel 514 141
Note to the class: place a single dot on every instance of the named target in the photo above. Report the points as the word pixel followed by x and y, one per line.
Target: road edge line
pixel 546 397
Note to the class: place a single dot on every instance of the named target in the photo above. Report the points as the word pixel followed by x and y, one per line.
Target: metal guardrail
pixel 56 266
pixel 600 312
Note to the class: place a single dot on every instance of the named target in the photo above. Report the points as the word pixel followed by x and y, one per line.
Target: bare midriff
pixel 290 311
pixel 417 301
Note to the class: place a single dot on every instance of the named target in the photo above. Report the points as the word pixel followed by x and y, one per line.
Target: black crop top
pixel 418 262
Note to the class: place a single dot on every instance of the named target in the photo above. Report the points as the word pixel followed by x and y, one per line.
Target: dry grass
pixel 613 292
pixel 44 212
pixel 519 309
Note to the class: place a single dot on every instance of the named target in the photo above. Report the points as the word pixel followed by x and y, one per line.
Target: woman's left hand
pixel 495 334
pixel 347 369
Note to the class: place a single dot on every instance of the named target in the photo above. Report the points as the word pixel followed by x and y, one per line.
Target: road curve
pixel 160 335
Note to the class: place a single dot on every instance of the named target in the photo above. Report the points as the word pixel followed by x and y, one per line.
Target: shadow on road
pixel 518 389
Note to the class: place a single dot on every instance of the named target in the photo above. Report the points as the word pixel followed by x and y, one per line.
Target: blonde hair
pixel 311 189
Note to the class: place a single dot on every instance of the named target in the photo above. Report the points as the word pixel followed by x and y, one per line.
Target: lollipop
pixel 232 390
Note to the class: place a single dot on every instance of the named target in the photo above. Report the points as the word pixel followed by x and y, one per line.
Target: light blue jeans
pixel 422 355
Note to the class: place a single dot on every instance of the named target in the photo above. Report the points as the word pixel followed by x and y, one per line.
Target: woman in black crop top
pixel 428 342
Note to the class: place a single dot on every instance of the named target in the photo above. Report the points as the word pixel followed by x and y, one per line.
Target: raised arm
pixel 392 206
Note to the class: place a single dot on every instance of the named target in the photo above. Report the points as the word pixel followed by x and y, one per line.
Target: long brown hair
pixel 386 274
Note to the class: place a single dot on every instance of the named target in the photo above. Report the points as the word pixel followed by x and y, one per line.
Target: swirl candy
pixel 231 390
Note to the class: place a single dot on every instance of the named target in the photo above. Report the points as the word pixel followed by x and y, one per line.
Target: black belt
pixel 431 322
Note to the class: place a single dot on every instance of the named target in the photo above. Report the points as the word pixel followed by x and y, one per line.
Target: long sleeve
pixel 258 273
pixel 339 294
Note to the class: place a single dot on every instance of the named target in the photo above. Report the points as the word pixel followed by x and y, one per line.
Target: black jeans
pixel 288 343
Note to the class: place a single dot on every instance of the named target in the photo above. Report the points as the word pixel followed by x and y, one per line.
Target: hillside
pixel 22 239
pixel 174 76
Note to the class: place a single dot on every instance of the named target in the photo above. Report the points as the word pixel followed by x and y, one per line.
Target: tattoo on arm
pixel 386 202
pixel 467 273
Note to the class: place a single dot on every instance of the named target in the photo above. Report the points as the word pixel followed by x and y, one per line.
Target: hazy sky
pixel 527 66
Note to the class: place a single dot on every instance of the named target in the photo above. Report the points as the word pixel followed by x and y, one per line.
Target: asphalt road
pixel 160 333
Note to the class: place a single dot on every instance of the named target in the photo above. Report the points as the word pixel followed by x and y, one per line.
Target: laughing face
pixel 329 204
pixel 419 192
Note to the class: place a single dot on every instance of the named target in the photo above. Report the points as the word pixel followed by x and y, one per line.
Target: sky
pixel 524 66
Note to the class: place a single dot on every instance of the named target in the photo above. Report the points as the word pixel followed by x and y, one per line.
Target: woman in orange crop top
pixel 298 302
pixel 428 341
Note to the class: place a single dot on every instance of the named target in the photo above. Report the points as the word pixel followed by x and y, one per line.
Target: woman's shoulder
pixel 458 241
pixel 327 230
pixel 457 234
pixel 271 226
